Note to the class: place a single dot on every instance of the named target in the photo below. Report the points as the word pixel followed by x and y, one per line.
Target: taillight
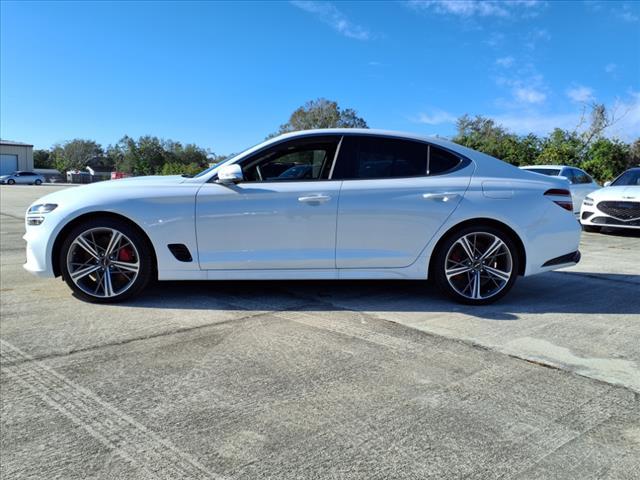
pixel 561 197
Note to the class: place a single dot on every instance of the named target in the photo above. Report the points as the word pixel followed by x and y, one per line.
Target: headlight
pixel 42 208
pixel 588 201
pixel 34 214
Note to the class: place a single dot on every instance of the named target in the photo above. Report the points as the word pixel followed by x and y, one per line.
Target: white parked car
pixel 580 182
pixel 320 204
pixel 24 178
pixel 616 205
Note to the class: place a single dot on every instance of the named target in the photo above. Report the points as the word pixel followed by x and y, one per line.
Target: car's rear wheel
pixel 38 182
pixel 591 228
pixel 106 261
pixel 476 265
pixel 11 181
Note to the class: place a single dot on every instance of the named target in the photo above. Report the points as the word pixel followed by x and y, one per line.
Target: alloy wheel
pixel 478 265
pixel 103 262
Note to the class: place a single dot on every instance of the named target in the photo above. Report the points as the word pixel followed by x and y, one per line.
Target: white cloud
pixel 505 62
pixel 626 113
pixel 627 14
pixel 480 8
pixel 580 94
pixel 329 14
pixel 610 67
pixel 436 117
pixel 529 95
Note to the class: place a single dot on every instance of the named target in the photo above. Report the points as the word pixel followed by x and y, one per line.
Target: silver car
pixel 580 182
pixel 23 178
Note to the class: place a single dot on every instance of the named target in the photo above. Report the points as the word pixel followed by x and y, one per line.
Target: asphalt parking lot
pixel 322 379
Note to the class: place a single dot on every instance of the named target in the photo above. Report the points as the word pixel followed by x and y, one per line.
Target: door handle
pixel 440 197
pixel 314 199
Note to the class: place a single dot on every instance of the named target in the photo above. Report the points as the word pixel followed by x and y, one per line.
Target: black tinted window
pixel 304 159
pixel 582 177
pixel 441 161
pixel 374 157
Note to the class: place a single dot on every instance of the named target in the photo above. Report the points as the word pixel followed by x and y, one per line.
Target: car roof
pixel 369 131
pixel 547 167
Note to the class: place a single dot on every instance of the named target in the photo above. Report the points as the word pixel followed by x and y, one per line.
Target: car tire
pixel 591 228
pixel 106 261
pixel 461 271
pixel 38 182
pixel 11 181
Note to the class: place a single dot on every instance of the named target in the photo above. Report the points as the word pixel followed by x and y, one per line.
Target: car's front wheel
pixel 476 265
pixel 106 261
pixel 11 181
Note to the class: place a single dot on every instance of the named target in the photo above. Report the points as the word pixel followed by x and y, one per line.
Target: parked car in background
pixel 24 178
pixel 580 182
pixel 319 204
pixel 616 205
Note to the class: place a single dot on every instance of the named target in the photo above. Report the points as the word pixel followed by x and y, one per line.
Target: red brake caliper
pixel 125 254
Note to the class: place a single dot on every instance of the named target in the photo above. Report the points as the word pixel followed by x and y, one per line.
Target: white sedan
pixel 320 204
pixel 580 182
pixel 617 205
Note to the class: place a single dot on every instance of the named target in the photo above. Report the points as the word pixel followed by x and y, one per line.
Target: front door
pixel 282 216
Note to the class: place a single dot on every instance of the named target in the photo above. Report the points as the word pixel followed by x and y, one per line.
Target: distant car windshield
pixel 552 172
pixel 628 178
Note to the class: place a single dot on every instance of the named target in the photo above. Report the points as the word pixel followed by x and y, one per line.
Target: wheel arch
pixel 57 244
pixel 522 254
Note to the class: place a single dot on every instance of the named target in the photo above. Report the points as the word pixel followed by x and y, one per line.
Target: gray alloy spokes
pixel 103 262
pixel 478 265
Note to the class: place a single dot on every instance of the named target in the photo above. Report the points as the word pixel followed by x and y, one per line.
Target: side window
pixel 302 159
pixel 371 157
pixel 569 174
pixel 582 177
pixel 441 161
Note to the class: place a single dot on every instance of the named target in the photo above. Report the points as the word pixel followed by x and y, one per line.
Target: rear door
pixel 395 195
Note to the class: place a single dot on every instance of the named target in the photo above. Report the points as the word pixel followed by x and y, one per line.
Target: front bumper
pixel 37 259
pixel 591 216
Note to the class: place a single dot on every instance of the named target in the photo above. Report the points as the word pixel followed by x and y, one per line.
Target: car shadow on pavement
pixel 554 292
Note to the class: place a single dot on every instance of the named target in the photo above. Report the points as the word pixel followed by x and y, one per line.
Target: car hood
pixel 124 187
pixel 617 193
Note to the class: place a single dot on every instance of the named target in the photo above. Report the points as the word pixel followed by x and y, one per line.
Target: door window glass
pixel 304 159
pixel 363 157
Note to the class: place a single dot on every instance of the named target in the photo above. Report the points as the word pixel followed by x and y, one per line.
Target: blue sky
pixel 225 75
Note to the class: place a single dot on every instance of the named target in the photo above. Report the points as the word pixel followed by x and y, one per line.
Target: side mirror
pixel 230 174
pixel 607 184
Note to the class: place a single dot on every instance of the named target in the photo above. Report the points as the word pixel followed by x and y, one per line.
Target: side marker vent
pixel 180 251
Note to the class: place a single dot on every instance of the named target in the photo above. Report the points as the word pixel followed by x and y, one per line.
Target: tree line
pixel 586 146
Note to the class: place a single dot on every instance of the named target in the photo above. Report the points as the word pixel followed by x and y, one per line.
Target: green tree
pixel 606 159
pixel 177 168
pixel 321 113
pixel 75 154
pixel 562 147
pixel 485 135
pixel 42 159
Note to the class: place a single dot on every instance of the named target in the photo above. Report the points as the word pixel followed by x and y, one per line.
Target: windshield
pixel 628 178
pixel 552 172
